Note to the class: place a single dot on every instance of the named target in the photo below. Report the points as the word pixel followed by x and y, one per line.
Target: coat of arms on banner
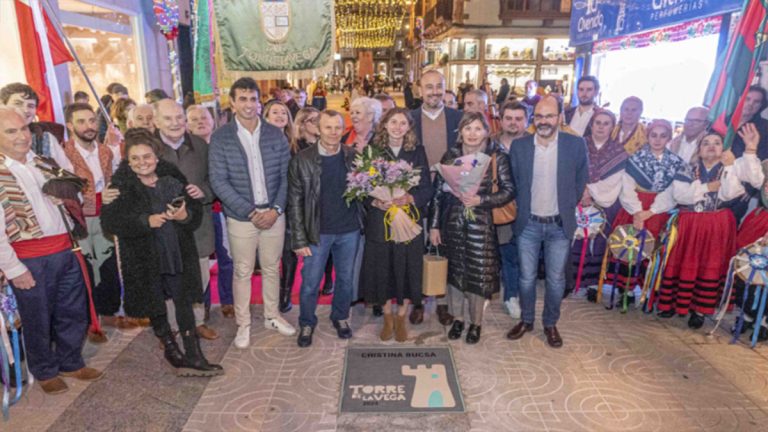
pixel 275 19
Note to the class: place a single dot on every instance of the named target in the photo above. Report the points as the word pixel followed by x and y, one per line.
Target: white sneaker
pixel 243 337
pixel 279 324
pixel 513 307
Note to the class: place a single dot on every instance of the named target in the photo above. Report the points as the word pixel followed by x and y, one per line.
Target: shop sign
pixel 594 20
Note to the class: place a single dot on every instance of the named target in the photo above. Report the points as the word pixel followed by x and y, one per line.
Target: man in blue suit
pixel 550 170
pixel 436 126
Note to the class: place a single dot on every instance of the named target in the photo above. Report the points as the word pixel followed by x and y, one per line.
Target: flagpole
pixel 60 30
pixel 50 74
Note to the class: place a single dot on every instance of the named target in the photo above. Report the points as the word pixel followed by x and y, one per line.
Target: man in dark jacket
pixel 550 171
pixel 249 166
pixel 322 223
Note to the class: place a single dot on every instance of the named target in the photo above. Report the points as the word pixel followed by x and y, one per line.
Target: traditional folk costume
pixel 35 239
pixel 752 229
pixel 697 265
pixel 646 185
pixel 606 169
pixel 632 142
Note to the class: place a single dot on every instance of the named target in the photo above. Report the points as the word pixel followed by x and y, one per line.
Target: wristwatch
pixel 278 209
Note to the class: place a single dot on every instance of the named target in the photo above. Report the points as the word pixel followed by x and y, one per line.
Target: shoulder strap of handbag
pixel 494 178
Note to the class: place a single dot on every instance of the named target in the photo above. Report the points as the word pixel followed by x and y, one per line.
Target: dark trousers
pixel 54 314
pixel 107 295
pixel 171 287
pixel 224 262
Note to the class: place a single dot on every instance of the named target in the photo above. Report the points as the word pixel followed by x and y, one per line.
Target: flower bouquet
pixel 464 175
pixel 374 176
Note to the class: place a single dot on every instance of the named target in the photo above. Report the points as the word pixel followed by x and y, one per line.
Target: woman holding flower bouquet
pixel 392 269
pixel 461 220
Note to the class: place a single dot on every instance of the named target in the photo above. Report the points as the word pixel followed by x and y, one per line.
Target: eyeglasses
pixel 545 117
pixel 312 120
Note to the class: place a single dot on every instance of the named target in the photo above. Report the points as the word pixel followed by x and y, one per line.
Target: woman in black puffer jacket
pixel 471 246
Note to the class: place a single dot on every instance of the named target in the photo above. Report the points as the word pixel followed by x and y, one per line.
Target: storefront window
pixel 464 49
pixel 556 79
pixel 511 49
pixel 515 74
pixel 107 57
pixel 558 50
pixel 463 74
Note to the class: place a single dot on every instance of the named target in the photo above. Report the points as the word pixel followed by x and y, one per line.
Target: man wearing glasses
pixel 550 171
pixel 694 128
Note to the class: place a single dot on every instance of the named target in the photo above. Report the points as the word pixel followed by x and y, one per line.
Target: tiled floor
pixel 616 372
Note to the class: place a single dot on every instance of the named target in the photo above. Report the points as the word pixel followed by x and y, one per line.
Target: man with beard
pixel 92 161
pixel 436 126
pixel 579 117
pixel 24 100
pixel 550 171
pixel 754 104
pixel 476 100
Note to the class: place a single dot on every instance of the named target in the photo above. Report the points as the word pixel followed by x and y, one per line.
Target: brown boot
pixel 401 332
pixel 53 386
pixel 388 329
pixel 96 338
pixel 84 374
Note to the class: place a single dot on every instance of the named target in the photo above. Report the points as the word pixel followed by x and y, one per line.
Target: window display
pixel 556 78
pixel 515 74
pixel 558 50
pixel 511 49
pixel 464 49
pixel 463 74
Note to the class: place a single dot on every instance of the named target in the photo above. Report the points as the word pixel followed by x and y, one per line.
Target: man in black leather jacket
pixel 322 223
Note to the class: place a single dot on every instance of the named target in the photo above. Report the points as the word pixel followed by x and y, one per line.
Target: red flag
pixel 34 63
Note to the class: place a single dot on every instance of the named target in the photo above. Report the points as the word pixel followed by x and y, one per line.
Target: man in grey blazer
pixel 249 173
pixel 550 170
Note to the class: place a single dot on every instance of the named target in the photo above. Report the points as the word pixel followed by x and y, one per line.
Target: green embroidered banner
pixel 269 38
pixel 203 77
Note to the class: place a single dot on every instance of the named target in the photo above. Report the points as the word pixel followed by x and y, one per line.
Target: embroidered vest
pixel 82 170
pixel 20 220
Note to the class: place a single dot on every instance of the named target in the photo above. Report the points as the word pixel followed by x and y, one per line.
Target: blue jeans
pixel 224 261
pixel 556 250
pixel 344 249
pixel 510 269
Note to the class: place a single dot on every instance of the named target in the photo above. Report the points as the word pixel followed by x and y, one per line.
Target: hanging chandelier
pixel 368 23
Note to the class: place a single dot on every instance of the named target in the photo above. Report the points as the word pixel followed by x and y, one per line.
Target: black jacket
pixel 422 193
pixel 472 246
pixel 128 218
pixel 304 195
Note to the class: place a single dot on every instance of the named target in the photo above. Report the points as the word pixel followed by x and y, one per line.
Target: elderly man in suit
pixel 550 171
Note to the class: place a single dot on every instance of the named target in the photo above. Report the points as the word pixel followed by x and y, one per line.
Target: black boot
pixel 172 353
pixel 696 321
pixel 473 334
pixel 456 330
pixel 195 364
pixel 287 277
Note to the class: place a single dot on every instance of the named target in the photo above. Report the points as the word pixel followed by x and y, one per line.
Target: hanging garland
pixel 167 14
pixel 680 32
pixel 368 23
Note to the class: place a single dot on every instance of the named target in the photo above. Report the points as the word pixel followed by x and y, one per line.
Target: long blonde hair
pixel 298 126
pixel 288 129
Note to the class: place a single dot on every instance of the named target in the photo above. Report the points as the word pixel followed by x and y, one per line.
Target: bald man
pixel 686 144
pixel 190 154
pixel 36 258
pixel 141 116
pixel 550 171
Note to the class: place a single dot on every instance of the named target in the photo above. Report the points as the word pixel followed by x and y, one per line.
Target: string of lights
pixel 368 23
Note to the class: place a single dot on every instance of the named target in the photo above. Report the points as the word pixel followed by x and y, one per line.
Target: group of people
pixel 166 189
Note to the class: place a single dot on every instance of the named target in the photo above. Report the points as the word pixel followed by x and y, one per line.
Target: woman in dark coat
pixel 154 221
pixel 393 270
pixel 471 246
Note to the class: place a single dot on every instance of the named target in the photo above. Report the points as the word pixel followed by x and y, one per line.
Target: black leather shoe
pixel 377 311
pixel 443 316
pixel 195 364
pixel 473 334
pixel 342 329
pixel 417 315
pixel 666 314
pixel 592 295
pixel 553 337
pixel 696 321
pixel 519 330
pixel 456 330
pixel 305 336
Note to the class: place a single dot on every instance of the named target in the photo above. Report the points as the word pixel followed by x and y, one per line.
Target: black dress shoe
pixel 417 315
pixel 553 337
pixel 456 330
pixel 666 314
pixel 592 295
pixel 305 336
pixel 473 334
pixel 519 330
pixel 378 311
pixel 696 321
pixel 443 316
pixel 342 329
